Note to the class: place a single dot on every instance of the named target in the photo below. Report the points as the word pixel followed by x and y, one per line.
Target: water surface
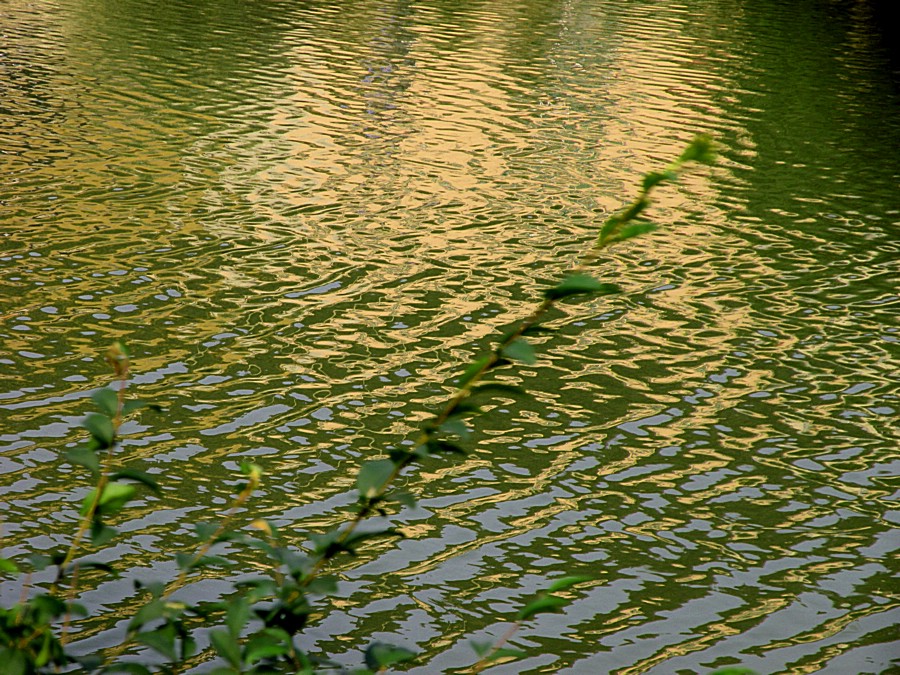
pixel 305 218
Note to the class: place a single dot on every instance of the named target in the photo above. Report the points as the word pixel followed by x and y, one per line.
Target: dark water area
pixel 306 218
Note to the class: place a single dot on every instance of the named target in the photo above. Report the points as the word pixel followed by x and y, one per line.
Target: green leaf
pixel 457 427
pixel 463 408
pixel 15 662
pixel 205 531
pixel 187 562
pixel 702 150
pixel 474 369
pixel 107 400
pixel 537 329
pixel 579 284
pixel 257 652
pixel 373 476
pixel 654 178
pixel 249 468
pixel 138 476
pixel 635 209
pixel 100 428
pixel 610 227
pixel 325 544
pixel 114 497
pixel 258 588
pixel 184 561
pixel 101 534
pixel 40 562
pixel 84 457
pixel 380 655
pixel 635 230
pixel 8 566
pixel 436 446
pixel 498 387
pixel 406 499
pixel 44 655
pixel 236 616
pixel 547 603
pixel 401 456
pixel 162 640
pixel 567 582
pixel 154 588
pixel 520 350
pixel 130 406
pixel 481 647
pixel 350 543
pixel 323 586
pixel 48 607
pixel 227 646
pixel 151 611
pixel 267 643
pixel 95 564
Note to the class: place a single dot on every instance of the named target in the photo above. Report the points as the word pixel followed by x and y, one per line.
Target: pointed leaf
pixel 702 150
pixel 84 457
pixel 568 582
pixel 101 429
pixel 435 446
pixel 323 543
pixel 8 566
pixel 236 617
pixel 134 404
pixel 107 400
pixel 480 647
pixel 162 640
pixel 40 562
pixel 635 230
pixel 102 534
pixel 323 586
pixel 114 497
pixel 463 408
pixel 205 531
pixel 380 655
pixel 612 224
pixel 95 564
pixel 520 350
pixel 373 476
pixel 654 178
pixel 350 543
pixel 406 499
pixel 578 284
pixel 139 476
pixel 538 329
pixel 227 646
pixel 474 369
pixel 500 388
pixel 547 603
pixel 457 427
pixel 151 611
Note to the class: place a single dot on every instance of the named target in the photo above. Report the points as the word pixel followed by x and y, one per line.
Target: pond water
pixel 305 218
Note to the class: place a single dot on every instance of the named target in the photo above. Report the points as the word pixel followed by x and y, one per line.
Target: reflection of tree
pixel 818 104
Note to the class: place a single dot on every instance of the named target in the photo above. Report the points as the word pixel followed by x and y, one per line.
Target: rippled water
pixel 306 217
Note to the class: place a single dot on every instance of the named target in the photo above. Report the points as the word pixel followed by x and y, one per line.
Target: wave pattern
pixel 305 218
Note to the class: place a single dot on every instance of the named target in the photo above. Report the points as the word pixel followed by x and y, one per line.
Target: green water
pixel 305 218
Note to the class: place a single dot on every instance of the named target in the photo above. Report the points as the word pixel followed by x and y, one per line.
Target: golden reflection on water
pixel 307 236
